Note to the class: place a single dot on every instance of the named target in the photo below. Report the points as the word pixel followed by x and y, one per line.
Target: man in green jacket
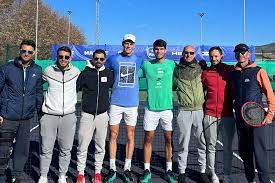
pixel 187 80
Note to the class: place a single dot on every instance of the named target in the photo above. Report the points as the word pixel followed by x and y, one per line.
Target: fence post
pixel 262 54
pixel 7 52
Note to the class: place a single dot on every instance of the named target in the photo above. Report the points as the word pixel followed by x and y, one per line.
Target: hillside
pixel 266 51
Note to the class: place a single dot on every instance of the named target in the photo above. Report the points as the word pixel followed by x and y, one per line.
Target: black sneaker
pixel 127 176
pixel 204 178
pixel 111 177
pixel 181 178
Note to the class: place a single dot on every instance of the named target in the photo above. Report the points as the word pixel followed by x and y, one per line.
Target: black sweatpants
pixel 20 130
pixel 252 141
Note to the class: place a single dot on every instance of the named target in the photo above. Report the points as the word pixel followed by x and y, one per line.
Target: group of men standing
pixel 205 104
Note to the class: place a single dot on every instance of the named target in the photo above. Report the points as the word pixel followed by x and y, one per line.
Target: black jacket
pixel 20 98
pixel 95 85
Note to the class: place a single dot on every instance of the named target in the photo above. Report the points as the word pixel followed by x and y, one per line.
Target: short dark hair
pixel 64 48
pixel 28 42
pixel 99 51
pixel 215 48
pixel 160 43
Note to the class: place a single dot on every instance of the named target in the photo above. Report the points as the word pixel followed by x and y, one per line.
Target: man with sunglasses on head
pixel 218 110
pixel 94 82
pixel 59 119
pixel 124 103
pixel 21 94
pixel 250 82
pixel 159 76
pixel 187 82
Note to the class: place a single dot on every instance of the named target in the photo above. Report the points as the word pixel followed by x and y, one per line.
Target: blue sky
pixel 175 21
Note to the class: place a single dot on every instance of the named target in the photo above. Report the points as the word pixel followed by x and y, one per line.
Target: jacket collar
pixel 55 66
pixel 249 65
pixel 18 63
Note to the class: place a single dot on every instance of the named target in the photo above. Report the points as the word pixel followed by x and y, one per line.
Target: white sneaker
pixel 62 179
pixel 215 178
pixel 227 179
pixel 43 179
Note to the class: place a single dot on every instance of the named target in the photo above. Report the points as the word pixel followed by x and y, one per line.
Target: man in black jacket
pixel 95 82
pixel 21 94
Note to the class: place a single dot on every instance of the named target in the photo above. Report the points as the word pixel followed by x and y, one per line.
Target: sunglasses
pixel 187 52
pixel 97 59
pixel 238 53
pixel 26 52
pixel 64 56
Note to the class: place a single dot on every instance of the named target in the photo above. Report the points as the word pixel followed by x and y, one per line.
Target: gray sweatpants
pixel 88 124
pixel 62 128
pixel 187 120
pixel 226 126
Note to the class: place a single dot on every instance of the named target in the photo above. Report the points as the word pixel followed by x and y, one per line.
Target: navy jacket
pixel 20 98
pixel 246 87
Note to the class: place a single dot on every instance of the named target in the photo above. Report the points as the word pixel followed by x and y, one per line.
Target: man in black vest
pixel 250 82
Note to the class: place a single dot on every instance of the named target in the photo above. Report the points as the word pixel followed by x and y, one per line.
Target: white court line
pixel 234 154
pixel 34 128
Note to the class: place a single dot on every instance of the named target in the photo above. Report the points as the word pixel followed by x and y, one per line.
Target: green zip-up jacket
pixel 187 82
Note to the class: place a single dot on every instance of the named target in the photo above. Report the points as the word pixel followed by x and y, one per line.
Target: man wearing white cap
pixel 124 102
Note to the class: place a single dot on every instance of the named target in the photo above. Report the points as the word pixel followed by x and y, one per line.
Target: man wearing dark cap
pixel 250 82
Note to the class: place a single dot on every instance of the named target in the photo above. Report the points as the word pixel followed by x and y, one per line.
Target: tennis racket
pixel 253 114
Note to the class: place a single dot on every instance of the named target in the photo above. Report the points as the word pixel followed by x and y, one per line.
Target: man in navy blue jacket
pixel 21 94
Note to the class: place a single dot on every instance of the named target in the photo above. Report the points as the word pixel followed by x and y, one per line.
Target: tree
pixel 18 17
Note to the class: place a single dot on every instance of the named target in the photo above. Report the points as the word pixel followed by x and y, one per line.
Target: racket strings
pixel 253 113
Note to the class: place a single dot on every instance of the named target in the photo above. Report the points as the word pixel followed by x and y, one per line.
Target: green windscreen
pixel 268 65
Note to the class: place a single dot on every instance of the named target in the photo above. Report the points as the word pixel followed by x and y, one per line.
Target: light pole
pixel 244 21
pixel 69 27
pixel 36 29
pixel 201 14
pixel 97 34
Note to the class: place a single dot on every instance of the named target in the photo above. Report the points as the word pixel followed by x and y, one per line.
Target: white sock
pixel 168 166
pixel 127 165
pixel 147 166
pixel 113 164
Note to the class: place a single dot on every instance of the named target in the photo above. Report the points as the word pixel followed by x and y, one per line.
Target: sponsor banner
pixel 174 52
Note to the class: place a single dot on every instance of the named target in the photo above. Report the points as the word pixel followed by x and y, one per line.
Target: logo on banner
pixel 150 52
pixel 205 53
